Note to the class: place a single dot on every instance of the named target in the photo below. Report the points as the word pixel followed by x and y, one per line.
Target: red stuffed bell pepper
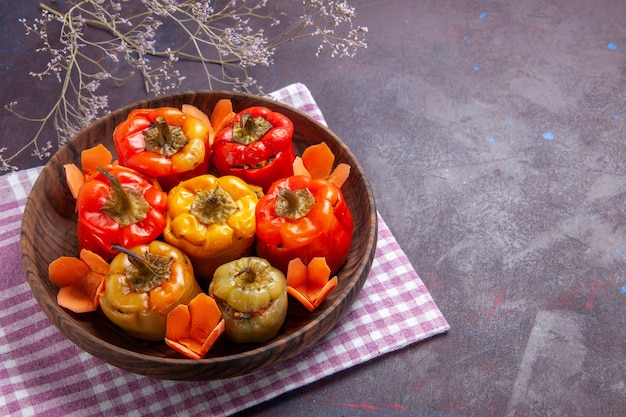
pixel 119 206
pixel 165 143
pixel 303 218
pixel 255 146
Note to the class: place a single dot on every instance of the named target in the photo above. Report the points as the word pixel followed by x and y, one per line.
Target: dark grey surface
pixel 492 133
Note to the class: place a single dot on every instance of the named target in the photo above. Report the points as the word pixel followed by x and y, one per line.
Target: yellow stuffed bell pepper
pixel 212 220
pixel 143 285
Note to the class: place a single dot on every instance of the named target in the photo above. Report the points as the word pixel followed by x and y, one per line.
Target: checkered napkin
pixel 43 373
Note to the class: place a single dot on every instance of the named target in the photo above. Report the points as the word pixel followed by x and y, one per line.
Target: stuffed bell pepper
pixel 212 220
pixel 118 206
pixel 252 296
pixel 304 218
pixel 165 143
pixel 257 146
pixel 143 285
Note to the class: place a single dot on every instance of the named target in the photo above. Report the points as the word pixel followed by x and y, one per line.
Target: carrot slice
pixel 222 109
pixel 67 270
pixel 193 329
pixel 224 122
pixel 317 163
pixel 318 160
pixel 181 348
pixel 74 178
pixel 205 315
pixel 73 297
pixel 318 273
pixel 92 158
pixel 93 285
pixel 302 298
pixel 79 285
pixel 197 113
pixel 95 262
pixel 83 296
pixel 215 334
pixel 194 350
pixel 178 323
pixel 222 114
pixel 313 289
pixel 321 296
pixel 299 168
pixel 340 174
pixel 296 273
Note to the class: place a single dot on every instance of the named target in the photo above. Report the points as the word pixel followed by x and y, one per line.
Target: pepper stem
pixel 146 272
pixel 250 129
pixel 164 139
pixel 124 206
pixel 213 206
pixel 249 275
pixel 294 204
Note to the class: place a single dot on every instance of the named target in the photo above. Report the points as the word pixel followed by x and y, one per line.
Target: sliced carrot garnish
pixel 193 329
pixel 80 282
pixel 310 284
pixel 222 109
pixel 92 158
pixel 340 174
pixel 74 178
pixel 205 316
pixel 318 160
pixel 297 273
pixel 178 323
pixel 95 262
pixel 74 297
pixel 318 273
pixel 299 168
pixel 83 296
pixel 67 270
pixel 222 114
pixel 197 113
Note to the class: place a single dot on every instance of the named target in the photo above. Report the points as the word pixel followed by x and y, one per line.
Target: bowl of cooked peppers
pixel 199 235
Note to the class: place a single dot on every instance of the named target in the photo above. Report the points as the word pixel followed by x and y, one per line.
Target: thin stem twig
pixel 223 40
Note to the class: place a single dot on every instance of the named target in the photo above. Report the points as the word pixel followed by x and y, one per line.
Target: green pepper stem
pixel 140 262
pixel 164 139
pixel 213 206
pixel 165 134
pixel 124 206
pixel 123 202
pixel 294 204
pixel 250 129
pixel 250 274
pixel 149 271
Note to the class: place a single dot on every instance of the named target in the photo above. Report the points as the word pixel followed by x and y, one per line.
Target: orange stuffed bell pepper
pixel 165 143
pixel 304 218
pixel 143 285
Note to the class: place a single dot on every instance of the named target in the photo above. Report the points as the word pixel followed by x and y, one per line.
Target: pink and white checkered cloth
pixel 43 373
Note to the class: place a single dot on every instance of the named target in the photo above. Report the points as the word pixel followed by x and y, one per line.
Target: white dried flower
pixel 226 39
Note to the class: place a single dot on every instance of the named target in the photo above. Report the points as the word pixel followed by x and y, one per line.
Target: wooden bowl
pixel 49 231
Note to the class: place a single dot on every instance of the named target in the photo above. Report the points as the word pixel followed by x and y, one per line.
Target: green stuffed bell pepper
pixel 252 296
